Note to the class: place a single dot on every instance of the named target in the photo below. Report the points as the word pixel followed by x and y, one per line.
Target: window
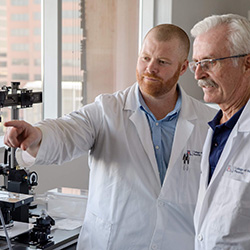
pixel 105 59
pixel 3 44
pixel 37 77
pixel 3 64
pixel 20 61
pixel 19 47
pixel 2 12
pixel 20 76
pixel 19 2
pixel 99 48
pixel 37 62
pixel 37 16
pixel 37 31
pixel 18 56
pixel 19 32
pixel 20 17
pixel 37 46
pixel 70 14
pixel 2 2
pixel 70 63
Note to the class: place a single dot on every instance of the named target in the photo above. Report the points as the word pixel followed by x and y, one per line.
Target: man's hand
pixel 23 135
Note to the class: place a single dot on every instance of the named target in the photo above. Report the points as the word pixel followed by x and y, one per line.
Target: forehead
pixel 152 46
pixel 211 44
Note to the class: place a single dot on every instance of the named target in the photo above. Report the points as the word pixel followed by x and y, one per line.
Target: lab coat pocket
pixel 232 205
pixel 96 232
pixel 238 173
pixel 189 177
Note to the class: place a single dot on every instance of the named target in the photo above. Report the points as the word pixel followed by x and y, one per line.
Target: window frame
pixel 51 12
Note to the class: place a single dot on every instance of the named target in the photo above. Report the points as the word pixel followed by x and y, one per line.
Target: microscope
pixel 15 179
pixel 15 194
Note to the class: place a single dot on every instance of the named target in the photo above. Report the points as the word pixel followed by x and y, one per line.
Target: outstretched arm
pixel 23 135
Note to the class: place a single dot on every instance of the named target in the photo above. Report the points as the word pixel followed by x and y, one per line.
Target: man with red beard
pixel 221 54
pixel 145 145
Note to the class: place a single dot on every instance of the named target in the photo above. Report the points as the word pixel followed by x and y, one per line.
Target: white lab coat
pixel 222 215
pixel 127 207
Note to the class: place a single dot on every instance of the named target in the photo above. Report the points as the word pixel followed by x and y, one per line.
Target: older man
pixel 221 64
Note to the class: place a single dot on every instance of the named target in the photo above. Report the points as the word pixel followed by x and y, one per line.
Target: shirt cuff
pixel 24 159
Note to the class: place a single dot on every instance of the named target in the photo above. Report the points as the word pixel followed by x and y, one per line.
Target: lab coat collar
pixel 243 122
pixel 242 126
pixel 187 111
pixel 132 100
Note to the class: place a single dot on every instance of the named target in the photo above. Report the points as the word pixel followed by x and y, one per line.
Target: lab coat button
pixel 200 237
pixel 161 203
pixel 154 247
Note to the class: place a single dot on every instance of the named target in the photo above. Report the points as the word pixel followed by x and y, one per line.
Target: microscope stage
pixel 14 200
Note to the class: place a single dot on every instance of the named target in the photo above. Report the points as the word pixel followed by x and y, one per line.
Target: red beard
pixel 158 87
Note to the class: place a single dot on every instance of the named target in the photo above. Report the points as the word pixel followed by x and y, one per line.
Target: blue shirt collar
pixel 171 114
pixel 229 124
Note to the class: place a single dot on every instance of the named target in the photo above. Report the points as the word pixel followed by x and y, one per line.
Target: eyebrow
pixel 204 58
pixel 161 57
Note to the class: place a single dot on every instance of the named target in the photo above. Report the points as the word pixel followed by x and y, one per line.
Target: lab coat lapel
pixel 206 191
pixel 202 204
pixel 183 131
pixel 241 127
pixel 205 162
pixel 140 121
pixel 230 146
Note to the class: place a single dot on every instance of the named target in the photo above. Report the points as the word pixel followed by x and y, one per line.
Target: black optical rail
pixel 18 97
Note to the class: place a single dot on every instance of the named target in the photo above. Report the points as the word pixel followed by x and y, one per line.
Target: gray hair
pixel 239 31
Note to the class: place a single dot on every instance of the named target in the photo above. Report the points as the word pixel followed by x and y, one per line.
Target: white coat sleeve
pixel 66 138
pixel 24 159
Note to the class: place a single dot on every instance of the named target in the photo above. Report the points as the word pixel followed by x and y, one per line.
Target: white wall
pixel 72 174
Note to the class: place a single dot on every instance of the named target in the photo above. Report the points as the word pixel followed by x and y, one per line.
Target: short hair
pixel 238 36
pixel 167 32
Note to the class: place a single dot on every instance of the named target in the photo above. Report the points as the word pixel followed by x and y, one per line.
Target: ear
pixel 184 67
pixel 248 61
pixel 247 65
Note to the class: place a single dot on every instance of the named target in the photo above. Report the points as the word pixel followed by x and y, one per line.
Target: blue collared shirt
pixel 162 132
pixel 220 136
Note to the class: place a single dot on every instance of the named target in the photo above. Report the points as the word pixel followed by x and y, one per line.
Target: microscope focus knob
pixel 33 178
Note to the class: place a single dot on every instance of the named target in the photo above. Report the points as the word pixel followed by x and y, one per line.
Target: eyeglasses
pixel 207 64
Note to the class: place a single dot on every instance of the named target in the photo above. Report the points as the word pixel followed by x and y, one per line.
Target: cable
pixel 5 230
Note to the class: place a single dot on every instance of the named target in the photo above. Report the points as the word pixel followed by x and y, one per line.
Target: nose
pixel 152 67
pixel 199 73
